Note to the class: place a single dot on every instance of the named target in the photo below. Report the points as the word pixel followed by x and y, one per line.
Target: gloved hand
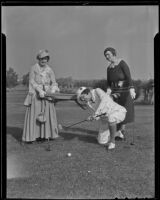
pixel 91 118
pixel 115 95
pixel 132 93
pixel 55 89
pixel 49 99
pixel 109 91
pixel 42 93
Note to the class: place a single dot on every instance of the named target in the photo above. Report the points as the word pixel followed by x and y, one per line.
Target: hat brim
pixel 42 55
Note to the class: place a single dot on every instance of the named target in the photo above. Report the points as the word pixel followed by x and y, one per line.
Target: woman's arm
pixel 127 74
pixel 103 99
pixel 32 81
pixel 108 83
pixel 54 84
pixel 100 92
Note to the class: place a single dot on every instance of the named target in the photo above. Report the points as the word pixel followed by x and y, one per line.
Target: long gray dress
pixel 33 129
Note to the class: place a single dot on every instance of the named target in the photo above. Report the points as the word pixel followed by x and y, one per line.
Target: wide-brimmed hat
pixel 79 91
pixel 42 54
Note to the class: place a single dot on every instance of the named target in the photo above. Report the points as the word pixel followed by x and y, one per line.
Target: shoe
pixel 111 145
pixel 119 134
pixel 40 140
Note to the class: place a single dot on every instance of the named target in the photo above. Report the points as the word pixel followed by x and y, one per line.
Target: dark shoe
pixel 120 135
pixel 39 140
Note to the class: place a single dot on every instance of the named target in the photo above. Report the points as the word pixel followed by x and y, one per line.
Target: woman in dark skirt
pixel 119 84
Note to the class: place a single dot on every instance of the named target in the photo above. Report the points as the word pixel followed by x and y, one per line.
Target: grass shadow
pixel 78 129
pixel 15 132
pixel 85 138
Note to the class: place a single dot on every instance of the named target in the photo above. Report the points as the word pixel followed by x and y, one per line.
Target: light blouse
pixel 42 78
pixel 103 103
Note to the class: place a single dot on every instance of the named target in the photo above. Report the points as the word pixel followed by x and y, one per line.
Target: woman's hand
pixel 55 89
pixel 109 91
pixel 42 94
pixel 91 118
pixel 132 93
pixel 115 95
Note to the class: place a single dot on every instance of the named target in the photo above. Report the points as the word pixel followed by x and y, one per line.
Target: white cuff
pixel 132 92
pixel 54 89
pixel 109 91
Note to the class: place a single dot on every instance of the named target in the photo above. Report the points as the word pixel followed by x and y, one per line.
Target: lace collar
pixel 112 65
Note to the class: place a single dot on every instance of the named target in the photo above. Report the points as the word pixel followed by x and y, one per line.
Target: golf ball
pixel 69 154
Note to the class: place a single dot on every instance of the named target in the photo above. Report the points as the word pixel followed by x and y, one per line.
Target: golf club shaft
pixel 76 123
pixel 84 121
pixel 133 135
pixel 48 146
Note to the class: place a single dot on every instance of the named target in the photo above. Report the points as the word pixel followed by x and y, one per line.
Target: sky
pixel 76 37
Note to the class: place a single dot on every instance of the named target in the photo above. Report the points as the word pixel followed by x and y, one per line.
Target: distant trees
pixel 137 85
pixel 25 79
pixel 144 89
pixel 101 84
pixel 11 78
pixel 148 90
pixel 65 82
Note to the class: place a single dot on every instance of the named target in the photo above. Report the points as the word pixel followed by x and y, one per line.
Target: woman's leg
pixel 113 130
pixel 121 127
pixel 104 133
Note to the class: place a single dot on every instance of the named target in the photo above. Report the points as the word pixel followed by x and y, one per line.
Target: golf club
pixel 132 142
pixel 81 121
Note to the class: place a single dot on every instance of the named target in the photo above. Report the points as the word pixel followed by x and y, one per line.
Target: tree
pixel 11 78
pixel 25 79
pixel 100 84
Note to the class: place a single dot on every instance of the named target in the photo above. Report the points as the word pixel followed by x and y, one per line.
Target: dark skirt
pixel 126 101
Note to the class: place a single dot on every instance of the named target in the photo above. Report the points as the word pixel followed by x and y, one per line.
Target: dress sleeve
pixel 101 95
pixel 32 81
pixel 127 74
pixel 54 84
pixel 103 106
pixel 108 79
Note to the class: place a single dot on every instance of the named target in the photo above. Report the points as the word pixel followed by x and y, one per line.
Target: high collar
pixel 113 64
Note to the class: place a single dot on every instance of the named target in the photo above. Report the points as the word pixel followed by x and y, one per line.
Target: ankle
pixel 112 141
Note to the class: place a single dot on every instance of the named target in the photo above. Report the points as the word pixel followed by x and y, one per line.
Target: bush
pixel 11 78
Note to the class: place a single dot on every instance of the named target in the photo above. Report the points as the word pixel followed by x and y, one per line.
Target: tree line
pixel 69 85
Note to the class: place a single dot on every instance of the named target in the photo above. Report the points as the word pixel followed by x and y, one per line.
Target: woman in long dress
pixel 40 118
pixel 119 84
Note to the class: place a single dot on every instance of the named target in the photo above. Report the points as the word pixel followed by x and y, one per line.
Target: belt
pixel 116 90
pixel 119 84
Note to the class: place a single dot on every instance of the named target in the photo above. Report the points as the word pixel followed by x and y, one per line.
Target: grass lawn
pixel 92 171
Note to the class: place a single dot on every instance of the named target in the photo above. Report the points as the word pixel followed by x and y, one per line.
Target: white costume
pixel 103 103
